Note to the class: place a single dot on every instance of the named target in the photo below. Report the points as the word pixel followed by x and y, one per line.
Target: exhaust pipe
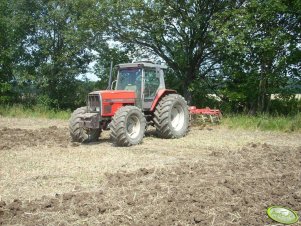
pixel 110 79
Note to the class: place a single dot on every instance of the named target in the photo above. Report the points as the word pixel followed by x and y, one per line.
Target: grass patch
pixel 20 111
pixel 264 122
pixel 260 122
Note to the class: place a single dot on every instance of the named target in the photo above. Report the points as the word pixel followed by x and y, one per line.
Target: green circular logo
pixel 282 214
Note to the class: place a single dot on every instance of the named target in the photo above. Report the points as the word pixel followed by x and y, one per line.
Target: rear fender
pixel 160 94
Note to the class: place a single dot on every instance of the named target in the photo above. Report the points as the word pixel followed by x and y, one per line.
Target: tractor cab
pixel 144 78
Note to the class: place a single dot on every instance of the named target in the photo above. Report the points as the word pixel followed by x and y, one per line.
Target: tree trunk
pixel 187 96
pixel 261 100
pixel 189 77
pixel 252 108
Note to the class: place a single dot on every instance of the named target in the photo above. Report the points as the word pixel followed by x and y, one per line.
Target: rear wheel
pixel 128 126
pixel 171 117
pixel 77 132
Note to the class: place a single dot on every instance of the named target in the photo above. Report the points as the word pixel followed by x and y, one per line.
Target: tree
pixel 15 25
pixel 255 43
pixel 106 55
pixel 60 49
pixel 179 32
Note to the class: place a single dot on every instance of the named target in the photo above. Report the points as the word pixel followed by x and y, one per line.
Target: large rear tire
pixel 77 132
pixel 171 117
pixel 128 126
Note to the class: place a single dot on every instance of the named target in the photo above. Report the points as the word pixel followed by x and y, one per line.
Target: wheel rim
pixel 133 126
pixel 177 117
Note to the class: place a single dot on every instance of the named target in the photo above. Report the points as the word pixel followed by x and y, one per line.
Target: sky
pixel 90 74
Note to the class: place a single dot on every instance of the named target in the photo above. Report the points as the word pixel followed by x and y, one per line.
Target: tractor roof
pixel 141 64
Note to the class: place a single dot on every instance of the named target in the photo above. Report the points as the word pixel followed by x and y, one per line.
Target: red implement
pixel 207 114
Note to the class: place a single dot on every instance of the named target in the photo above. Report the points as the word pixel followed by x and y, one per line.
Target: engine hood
pixel 112 100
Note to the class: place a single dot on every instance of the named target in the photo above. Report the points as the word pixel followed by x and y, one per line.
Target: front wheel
pixel 171 117
pixel 128 126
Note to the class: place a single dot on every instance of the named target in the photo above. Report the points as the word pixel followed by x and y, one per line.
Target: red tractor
pixel 138 99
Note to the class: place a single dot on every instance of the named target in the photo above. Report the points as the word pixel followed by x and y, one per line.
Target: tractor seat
pixel 130 87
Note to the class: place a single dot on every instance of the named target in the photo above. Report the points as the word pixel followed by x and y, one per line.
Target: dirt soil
pixel 213 176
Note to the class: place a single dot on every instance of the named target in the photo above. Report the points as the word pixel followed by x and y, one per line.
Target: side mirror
pixel 112 85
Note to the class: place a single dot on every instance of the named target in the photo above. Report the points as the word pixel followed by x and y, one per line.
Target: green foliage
pixel 241 51
pixel 105 56
pixel 5 93
pixel 15 26
pixel 61 50
pixel 44 48
pixel 176 31
pixel 264 122
pixel 285 106
pixel 254 41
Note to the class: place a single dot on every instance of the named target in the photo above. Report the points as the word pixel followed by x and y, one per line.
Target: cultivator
pixel 205 114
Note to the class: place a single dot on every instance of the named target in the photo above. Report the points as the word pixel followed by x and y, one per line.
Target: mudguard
pixel 161 93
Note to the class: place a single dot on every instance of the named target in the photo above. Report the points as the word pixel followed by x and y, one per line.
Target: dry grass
pixel 31 123
pixel 213 176
pixel 30 172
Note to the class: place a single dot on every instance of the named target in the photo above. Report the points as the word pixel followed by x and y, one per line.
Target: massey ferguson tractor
pixel 136 99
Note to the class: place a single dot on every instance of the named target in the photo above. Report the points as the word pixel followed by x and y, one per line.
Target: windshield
pixel 129 79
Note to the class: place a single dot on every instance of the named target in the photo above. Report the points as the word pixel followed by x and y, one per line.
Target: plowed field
pixel 213 176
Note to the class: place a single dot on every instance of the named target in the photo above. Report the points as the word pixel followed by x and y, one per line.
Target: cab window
pixel 128 78
pixel 152 83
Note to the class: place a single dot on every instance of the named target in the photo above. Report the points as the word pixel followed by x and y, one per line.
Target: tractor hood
pixel 111 100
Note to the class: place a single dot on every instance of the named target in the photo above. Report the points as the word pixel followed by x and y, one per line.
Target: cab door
pixel 151 85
